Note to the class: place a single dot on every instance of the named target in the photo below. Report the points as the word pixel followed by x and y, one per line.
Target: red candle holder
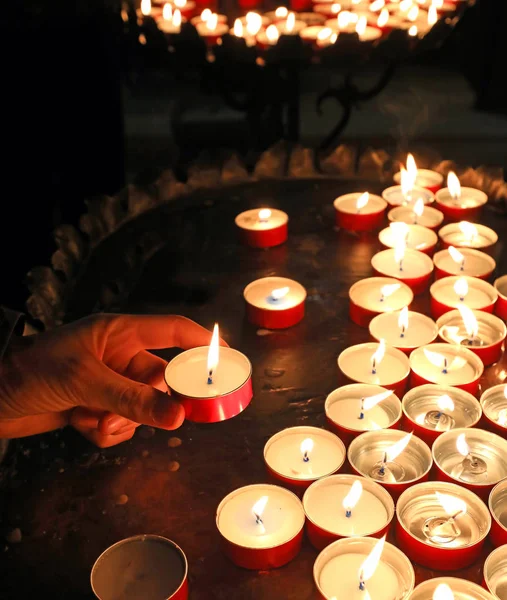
pixel 150 564
pixel 476 264
pixel 275 302
pixel 448 293
pixel 501 305
pixel 263 228
pixel 467 207
pixel 494 409
pixel 301 5
pixel 429 535
pixel 326 521
pixel 366 218
pixel 368 452
pixel 479 470
pixel 249 4
pixel 416 273
pixel 420 330
pixel 494 571
pixel 497 503
pixel 377 295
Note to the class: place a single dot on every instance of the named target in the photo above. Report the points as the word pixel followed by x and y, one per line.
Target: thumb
pixel 136 401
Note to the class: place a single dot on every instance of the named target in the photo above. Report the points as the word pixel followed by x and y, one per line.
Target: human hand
pixel 95 374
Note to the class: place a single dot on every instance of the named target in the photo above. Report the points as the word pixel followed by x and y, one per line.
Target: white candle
pixel 470 235
pixel 381 294
pixel 348 204
pixel 290 26
pixel 471 327
pixel 395 196
pixel 446 364
pixel 304 453
pixel 414 265
pixel 430 217
pixel 456 290
pixel 425 178
pixel 212 28
pixel 419 331
pixel 254 220
pixel 358 364
pixel 475 264
pixel 266 293
pixel 417 237
pixel 468 198
pixel 282 516
pixel 253 17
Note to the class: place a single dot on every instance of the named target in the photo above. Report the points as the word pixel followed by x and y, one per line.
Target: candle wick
pixel 444 371
pixel 402 334
pixel 374 367
pixel 462 298
pixel 382 298
pixel 401 265
pixel 382 470
pixel 472 459
pixel 306 458
pixel 362 585
pixel 438 415
pixel 361 413
pixel 258 520
pixel 210 377
pixel 348 513
pixel 462 268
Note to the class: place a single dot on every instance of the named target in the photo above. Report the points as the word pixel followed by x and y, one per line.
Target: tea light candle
pixel 494 407
pixel 315 33
pixel 498 507
pixel 171 21
pixel 460 203
pixel 393 458
pixel 275 302
pixel 431 409
pixel 397 196
pixel 467 235
pixel 385 21
pixel 212 30
pixel 205 15
pixel 450 292
pixel 329 9
pixel 365 32
pixel 423 178
pixel 359 211
pixel 358 407
pixel 263 228
pixel 501 289
pixel 142 566
pixel 495 575
pixel 346 506
pixel 280 14
pixel 404 329
pixel 410 266
pixel 290 26
pixel 417 214
pixel 441 525
pixel 483 333
pixel 261 526
pixel 449 588
pixel 377 364
pixel 416 237
pixel 376 295
pixel 445 364
pixel 186 7
pixel 474 458
pixel 212 383
pixel 465 261
pixel 268 37
pixel 300 455
pixel 351 567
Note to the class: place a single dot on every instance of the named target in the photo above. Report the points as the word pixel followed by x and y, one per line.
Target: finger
pixel 86 417
pixel 32 425
pixel 110 423
pixel 147 368
pixel 126 428
pixel 106 441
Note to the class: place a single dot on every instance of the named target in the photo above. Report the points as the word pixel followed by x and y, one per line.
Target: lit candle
pixel 460 203
pixel 365 32
pixel 205 15
pixel 277 15
pixel 467 235
pixel 410 266
pixel 269 36
pixel 465 261
pixel 498 507
pixel 494 406
pixel 450 292
pixel 450 588
pixel 359 211
pixel 501 289
pixel 171 21
pixel 212 383
pixel 416 237
pixel 407 193
pixel 291 26
pixel 418 214
pixel 256 518
pixel 316 34
pixel 263 228
pixel 212 30
pixel 422 178
pixel 186 7
pixel 253 22
pixel 495 575
pixel 329 9
pixel 376 295
pixel 404 329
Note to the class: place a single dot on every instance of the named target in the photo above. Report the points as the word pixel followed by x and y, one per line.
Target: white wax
pixel 355 363
pixel 421 330
pixel 431 217
pixel 348 204
pixel 187 374
pixel 339 579
pixel 167 26
pixel 470 198
pixel 370 34
pixel 367 293
pixel 311 33
pixel 425 177
pixel 262 38
pixel 456 375
pixel 476 262
pixel 346 412
pixel 480 293
pixel 282 518
pixel 415 264
pixel 283 453
pixel 265 20
pixel 250 220
pixel 451 234
pixel 324 506
pixel 204 31
pixel 394 196
pixel 258 293
pixel 419 237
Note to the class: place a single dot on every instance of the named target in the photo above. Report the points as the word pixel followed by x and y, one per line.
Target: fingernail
pixel 113 423
pixel 167 413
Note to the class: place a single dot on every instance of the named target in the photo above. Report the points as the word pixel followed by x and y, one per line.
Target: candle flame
pixel 400 230
pixel 344 19
pixel 461 287
pixel 291 21
pixel 306 446
pixel 167 12
pixel 383 18
pixel 264 213
pixel 419 207
pixel 176 18
pixel 369 566
pixel 388 290
pixel 432 15
pixel 413 31
pixel 272 34
pixel 443 592
pixel 469 230
pixel 452 505
pixel 407 183
pixel 377 5
pixel 146 7
pixel 336 8
pixel 281 12
pixel 206 14
pixel 361 26
pixel 461 445
pixel 259 507
pixel 323 35
pixel 238 32
pixel 333 38
pixel 379 353
pixel 440 361
pixel 352 498
pixel 469 320
pixel 456 255
pixel 253 23
pixel 445 402
pixel 403 319
pixel 453 185
pixel 405 5
pixel 212 22
pixel 214 352
pixel 413 13
pixel 502 417
pixel 363 199
pixel 180 3
pixel 396 449
pixel 372 401
pixel 411 166
pixel 399 252
pixel 438 3
pixel 279 293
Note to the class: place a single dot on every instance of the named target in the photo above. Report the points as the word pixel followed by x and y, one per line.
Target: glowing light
pixel 502 417
pixel 167 12
pixel 461 288
pixel 443 592
pixel 306 448
pixel 272 34
pixel 403 320
pixel 146 7
pixel 469 320
pixel 291 21
pixel 181 3
pixel 378 355
pixel 206 14
pixel 264 213
pixel 377 5
pixel 279 293
pixel 362 201
pixel 336 8
pixel 344 19
pixel 177 18
pixel 411 167
pixel 395 450
pixel 413 31
pixel 405 5
pixel 445 402
pixel 407 183
pixel 212 22
pixel 371 401
pixel 453 506
pixel 259 507
pixel 388 290
pixel 469 230
pixel 399 253
pixel 352 498
pixel 253 23
pixel 453 185
pixel 456 255
pixel 413 13
pixel 361 26
pixel 213 352
pixel 461 445
pixel 432 15
pixel 438 3
pixel 323 35
pixel 238 32
pixel 383 18
pixel 281 12
pixel 419 207
pixel 400 231
pixel 370 565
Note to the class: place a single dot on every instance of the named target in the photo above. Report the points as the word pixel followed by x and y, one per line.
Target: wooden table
pixel 63 492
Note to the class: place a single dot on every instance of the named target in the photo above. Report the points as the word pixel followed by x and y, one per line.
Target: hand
pixel 95 374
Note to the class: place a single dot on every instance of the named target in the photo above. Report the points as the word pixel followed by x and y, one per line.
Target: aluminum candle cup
pixel 351 214
pixel 377 455
pixel 142 566
pixel 445 364
pixel 298 456
pixel 475 264
pixel 467 235
pixel 441 525
pixel 395 197
pixel 359 407
pixel 263 228
pixel 415 270
pixel 431 217
pixel 429 410
pixel 417 238
pixel 226 396
pixel 486 343
pixel 336 571
pixel 430 180
pixel 498 508
pixel 467 207
pixel 375 364
pixel 450 292
pixel 376 295
pixel 462 589
pixel 494 407
pixel 261 526
pixel 501 305
pixel 418 330
pixel 477 460
pixel 275 302
pixel 335 510
pixel 495 572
